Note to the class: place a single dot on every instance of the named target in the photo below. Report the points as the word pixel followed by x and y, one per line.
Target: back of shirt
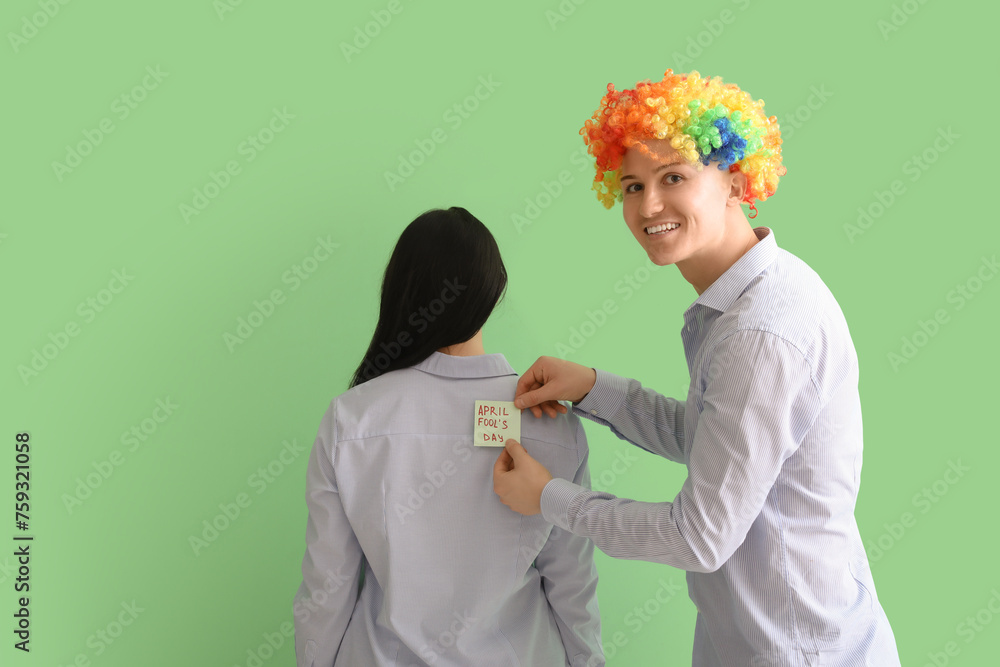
pixel 452 576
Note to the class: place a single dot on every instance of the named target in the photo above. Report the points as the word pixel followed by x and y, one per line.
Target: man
pixel 771 429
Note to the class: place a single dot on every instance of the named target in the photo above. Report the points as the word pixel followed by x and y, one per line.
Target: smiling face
pixel 677 213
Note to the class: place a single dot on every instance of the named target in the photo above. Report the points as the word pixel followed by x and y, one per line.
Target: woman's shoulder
pixel 407 400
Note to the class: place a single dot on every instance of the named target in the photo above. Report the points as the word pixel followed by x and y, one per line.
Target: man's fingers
pixel 531 402
pixel 528 381
pixel 550 407
pixel 514 449
pixel 502 464
pixel 535 410
pixel 524 382
pixel 555 408
pixel 529 397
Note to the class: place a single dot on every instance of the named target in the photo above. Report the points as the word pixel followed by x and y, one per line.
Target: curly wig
pixel 704 119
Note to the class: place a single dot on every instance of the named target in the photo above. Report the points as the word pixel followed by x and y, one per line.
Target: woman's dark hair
pixel 443 280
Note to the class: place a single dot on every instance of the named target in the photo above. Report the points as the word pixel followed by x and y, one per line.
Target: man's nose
pixel 651 203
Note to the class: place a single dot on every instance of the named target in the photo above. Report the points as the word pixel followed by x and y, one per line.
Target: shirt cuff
pixel 556 497
pixel 606 396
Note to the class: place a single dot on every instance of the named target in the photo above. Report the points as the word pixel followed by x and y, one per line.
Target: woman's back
pixel 453 577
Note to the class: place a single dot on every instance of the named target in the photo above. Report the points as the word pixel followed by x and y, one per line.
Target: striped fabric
pixel 452 577
pixel 771 435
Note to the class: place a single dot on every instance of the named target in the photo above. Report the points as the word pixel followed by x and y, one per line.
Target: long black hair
pixel 444 278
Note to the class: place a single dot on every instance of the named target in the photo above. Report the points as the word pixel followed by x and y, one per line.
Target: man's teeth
pixel 662 228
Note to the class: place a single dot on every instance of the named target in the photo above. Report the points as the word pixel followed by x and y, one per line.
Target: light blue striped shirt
pixel 771 435
pixel 452 577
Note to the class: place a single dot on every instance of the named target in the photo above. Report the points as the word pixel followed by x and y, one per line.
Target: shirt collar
pixel 474 366
pixel 727 288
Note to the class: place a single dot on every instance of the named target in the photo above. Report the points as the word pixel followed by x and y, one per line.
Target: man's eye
pixel 629 188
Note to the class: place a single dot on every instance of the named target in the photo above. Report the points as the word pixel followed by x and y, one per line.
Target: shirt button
pixel 593 412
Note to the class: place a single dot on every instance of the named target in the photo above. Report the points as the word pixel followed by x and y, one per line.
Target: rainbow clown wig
pixel 704 119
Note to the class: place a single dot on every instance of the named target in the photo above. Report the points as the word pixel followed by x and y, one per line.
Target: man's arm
pixel 569 578
pixel 641 416
pixel 332 562
pixel 759 403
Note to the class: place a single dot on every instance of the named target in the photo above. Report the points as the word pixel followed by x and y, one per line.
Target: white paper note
pixel 495 422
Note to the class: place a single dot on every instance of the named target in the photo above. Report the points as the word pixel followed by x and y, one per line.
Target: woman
pixel 398 493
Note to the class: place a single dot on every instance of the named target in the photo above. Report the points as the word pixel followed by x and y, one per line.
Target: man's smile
pixel 662 229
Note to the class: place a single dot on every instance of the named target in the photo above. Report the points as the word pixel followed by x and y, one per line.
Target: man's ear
pixel 737 188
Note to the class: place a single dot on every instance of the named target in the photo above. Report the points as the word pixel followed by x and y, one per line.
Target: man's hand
pixel 550 380
pixel 519 479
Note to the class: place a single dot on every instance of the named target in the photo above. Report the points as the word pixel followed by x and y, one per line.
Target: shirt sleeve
pixel 332 562
pixel 641 416
pixel 569 578
pixel 759 402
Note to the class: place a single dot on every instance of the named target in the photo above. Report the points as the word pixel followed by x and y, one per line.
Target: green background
pixel 887 94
